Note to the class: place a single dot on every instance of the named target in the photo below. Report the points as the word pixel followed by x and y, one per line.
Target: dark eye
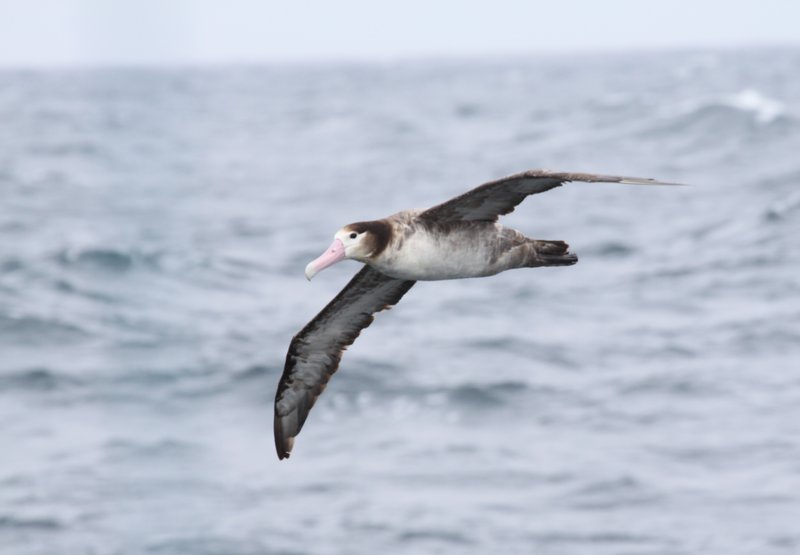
pixel 353 235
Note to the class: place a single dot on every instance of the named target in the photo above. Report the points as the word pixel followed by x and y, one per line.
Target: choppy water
pixel 155 226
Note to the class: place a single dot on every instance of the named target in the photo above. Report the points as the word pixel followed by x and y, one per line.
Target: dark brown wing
pixel 315 352
pixel 493 199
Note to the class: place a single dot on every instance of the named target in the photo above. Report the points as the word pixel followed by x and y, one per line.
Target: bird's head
pixel 361 241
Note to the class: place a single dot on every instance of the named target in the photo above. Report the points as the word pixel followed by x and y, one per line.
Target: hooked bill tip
pixel 332 255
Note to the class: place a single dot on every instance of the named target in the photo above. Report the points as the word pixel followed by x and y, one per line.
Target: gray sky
pixel 92 32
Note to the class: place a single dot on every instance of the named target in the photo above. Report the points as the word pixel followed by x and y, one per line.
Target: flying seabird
pixel 457 239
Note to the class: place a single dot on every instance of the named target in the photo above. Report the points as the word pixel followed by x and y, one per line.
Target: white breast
pixel 417 253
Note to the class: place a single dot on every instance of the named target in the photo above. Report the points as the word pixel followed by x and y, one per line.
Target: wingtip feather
pixel 284 440
pixel 648 181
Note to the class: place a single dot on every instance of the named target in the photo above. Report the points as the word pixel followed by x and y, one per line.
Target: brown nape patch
pixel 379 234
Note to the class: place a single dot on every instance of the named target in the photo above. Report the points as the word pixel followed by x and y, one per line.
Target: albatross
pixel 457 239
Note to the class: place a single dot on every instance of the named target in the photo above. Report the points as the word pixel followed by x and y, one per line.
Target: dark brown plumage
pixel 498 198
pixel 379 234
pixel 316 350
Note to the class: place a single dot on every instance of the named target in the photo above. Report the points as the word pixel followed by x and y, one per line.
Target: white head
pixel 360 241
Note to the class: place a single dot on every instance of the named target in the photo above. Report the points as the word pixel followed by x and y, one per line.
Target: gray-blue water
pixel 154 227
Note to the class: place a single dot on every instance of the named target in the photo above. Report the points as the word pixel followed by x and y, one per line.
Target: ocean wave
pixel 783 207
pixel 40 524
pixel 435 536
pixel 763 108
pixel 746 105
pixel 36 379
pixel 107 259
pixel 748 108
pixel 118 449
pixel 205 544
pixel 9 265
pixel 610 249
pixel 679 385
pixel 134 385
pixel 209 383
pixel 484 395
pixel 624 491
pixel 30 329
pixel 594 539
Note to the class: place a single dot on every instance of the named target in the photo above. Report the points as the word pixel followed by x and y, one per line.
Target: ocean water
pixel 154 228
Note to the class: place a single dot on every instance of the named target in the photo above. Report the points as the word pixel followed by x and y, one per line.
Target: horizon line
pixel 389 59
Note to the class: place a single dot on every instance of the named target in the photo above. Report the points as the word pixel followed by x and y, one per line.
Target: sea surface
pixel 154 228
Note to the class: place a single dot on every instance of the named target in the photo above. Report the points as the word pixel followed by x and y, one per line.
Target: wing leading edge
pixel 496 198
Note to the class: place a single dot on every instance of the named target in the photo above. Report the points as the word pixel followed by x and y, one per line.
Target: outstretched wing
pixel 315 352
pixel 496 198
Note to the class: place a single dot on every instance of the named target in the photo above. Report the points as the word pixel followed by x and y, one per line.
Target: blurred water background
pixel 154 229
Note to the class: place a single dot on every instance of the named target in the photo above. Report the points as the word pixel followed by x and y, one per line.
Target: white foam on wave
pixel 747 102
pixel 764 108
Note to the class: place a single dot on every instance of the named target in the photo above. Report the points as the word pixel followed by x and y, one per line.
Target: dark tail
pixel 553 253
